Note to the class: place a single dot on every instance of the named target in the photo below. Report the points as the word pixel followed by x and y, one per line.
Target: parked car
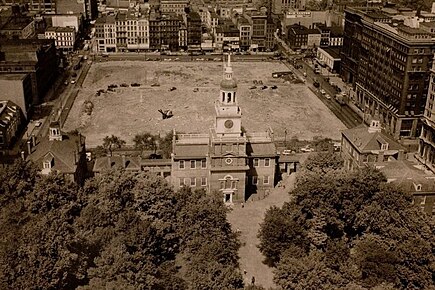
pixel 287 152
pixel 328 97
pixel 322 91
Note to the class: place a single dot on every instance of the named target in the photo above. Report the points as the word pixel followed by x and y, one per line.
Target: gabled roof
pixel 365 141
pixel 61 151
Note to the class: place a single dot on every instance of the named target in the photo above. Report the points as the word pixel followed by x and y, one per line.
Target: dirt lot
pixel 131 110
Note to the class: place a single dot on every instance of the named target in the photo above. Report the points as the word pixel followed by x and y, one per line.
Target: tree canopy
pixel 348 230
pixel 120 231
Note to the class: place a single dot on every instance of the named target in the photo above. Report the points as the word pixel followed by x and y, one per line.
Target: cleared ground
pixel 131 110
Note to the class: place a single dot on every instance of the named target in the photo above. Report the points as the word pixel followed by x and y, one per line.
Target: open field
pixel 131 110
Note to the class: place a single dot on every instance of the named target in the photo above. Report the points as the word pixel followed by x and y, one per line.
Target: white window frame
pixel 47 165
pixel 256 162
pixel 267 162
pixel 193 162
pixel 254 180
pixel 266 179
pixel 204 163
pixel 181 165
pixel 203 181
pixel 192 182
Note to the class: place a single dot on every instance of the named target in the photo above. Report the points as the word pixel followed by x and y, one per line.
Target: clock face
pixel 228 124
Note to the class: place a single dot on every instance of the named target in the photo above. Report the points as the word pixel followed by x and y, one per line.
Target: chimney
pixel 33 140
pixel 109 162
pixel 123 160
pixel 29 147
pixel 23 155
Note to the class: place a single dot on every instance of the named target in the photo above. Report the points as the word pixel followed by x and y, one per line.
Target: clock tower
pixel 228 113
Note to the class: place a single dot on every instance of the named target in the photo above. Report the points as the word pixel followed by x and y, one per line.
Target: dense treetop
pixel 348 230
pixel 120 231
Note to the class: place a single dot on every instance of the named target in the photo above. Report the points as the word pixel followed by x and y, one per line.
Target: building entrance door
pixel 228 196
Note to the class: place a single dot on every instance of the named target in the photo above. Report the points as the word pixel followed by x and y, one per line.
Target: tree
pixel 110 142
pixel 145 141
pixel 165 144
pixel 357 232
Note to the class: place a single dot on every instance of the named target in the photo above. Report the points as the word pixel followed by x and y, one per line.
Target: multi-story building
pixel 305 18
pixel 35 56
pixel 87 8
pixel 174 6
pixel 39 6
pixel 61 153
pixel 105 33
pixel 282 6
pixel 300 37
pixel 64 37
pixel 426 148
pixel 259 28
pixel 17 27
pixel 388 65
pixel 17 88
pixel 361 146
pixel 194 31
pixel 164 31
pixel 245 30
pixel 10 123
pixel 225 160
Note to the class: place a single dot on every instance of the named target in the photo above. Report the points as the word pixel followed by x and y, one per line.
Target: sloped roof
pixel 407 174
pixel 261 149
pixel 102 163
pixel 190 151
pixel 62 152
pixel 365 141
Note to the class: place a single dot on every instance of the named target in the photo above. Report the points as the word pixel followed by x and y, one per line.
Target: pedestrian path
pixel 246 220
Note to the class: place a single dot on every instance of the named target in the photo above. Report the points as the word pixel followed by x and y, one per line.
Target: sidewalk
pixel 247 221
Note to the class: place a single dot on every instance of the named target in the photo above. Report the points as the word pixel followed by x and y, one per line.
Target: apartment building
pixel 64 37
pixel 388 65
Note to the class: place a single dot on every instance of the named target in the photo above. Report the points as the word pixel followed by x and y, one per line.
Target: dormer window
pixel 417 187
pixel 384 146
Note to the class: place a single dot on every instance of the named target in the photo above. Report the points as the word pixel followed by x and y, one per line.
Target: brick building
pixel 361 146
pixel 388 64
pixel 59 152
pixel 226 160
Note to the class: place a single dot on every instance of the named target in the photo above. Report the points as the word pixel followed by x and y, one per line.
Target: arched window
pixel 234 97
pixel 229 98
pixel 223 97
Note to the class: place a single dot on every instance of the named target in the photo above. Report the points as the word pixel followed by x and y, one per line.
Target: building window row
pixel 257 162
pixel 256 180
pixel 193 164
pixel 192 181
